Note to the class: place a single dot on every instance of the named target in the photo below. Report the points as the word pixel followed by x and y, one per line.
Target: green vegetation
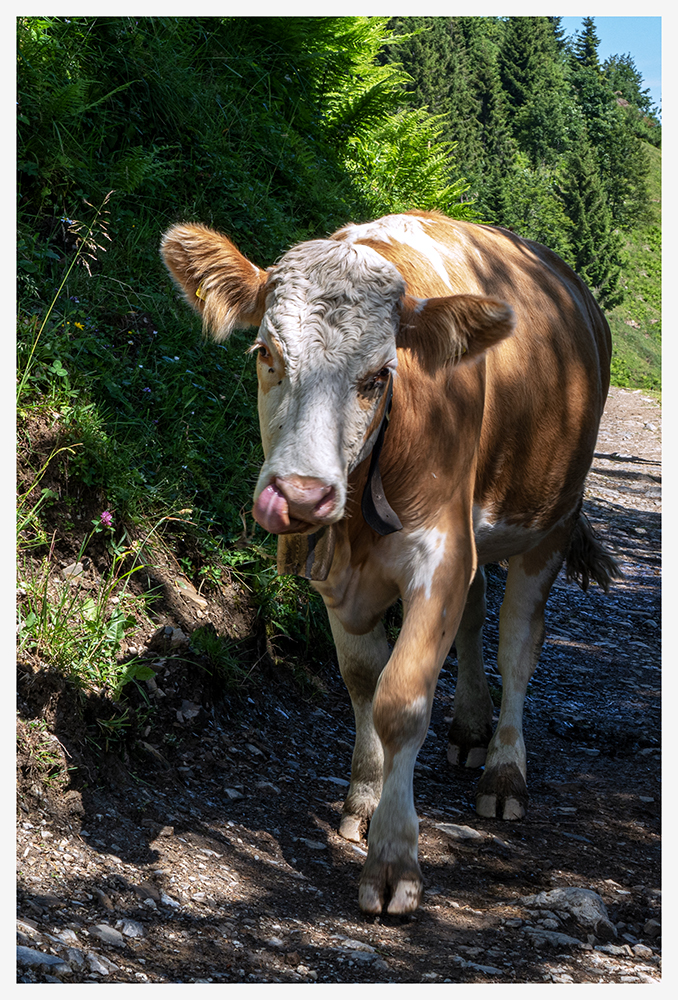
pixel 636 322
pixel 275 130
pixel 552 144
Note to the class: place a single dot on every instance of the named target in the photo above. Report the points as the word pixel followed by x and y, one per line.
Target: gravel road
pixel 206 849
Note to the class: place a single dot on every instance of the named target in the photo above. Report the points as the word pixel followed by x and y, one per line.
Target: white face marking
pixel 332 310
pixel 405 229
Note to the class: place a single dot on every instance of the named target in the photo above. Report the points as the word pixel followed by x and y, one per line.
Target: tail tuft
pixel 587 558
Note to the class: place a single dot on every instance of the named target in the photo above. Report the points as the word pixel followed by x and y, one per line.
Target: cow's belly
pixel 498 539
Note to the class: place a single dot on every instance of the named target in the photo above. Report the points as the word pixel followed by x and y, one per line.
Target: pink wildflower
pixel 107 519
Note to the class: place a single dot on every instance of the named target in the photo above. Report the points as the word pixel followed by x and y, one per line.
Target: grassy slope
pixel 159 420
pixel 636 323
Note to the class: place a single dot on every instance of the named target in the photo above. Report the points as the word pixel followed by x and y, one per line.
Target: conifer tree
pixel 596 247
pixel 586 45
pixel 558 32
pixel 464 105
pixel 532 72
pixel 426 55
pixel 625 82
pixel 622 163
pixel 436 58
pixel 492 106
pixel 522 63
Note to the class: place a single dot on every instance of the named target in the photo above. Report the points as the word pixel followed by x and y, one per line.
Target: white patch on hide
pixel 495 539
pixel 425 552
pixel 406 230
pixel 394 829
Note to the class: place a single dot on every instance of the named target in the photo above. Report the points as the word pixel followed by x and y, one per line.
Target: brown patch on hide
pixel 538 559
pixel 270 364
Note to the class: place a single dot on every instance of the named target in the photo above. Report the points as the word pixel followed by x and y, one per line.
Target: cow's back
pixel 545 387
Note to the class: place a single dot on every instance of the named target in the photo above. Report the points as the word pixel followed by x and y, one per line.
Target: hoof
pixel 475 756
pixel 406 897
pixel 350 828
pixel 369 898
pixel 502 793
pixel 468 745
pixel 486 806
pixel 396 888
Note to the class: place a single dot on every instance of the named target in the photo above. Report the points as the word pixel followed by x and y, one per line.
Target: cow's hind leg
pixel 471 727
pixel 502 790
pixel 361 660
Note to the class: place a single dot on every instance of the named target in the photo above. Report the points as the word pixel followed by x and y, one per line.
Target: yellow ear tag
pixel 199 294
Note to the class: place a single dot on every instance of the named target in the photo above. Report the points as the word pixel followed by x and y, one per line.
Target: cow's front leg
pixel 502 790
pixel 361 660
pixel 401 710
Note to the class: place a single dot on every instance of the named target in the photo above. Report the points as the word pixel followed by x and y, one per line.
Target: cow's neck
pixel 375 508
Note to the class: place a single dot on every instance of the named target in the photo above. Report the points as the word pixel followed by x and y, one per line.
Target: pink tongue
pixel 271 510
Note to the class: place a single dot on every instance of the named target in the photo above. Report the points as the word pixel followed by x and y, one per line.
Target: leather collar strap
pixel 375 507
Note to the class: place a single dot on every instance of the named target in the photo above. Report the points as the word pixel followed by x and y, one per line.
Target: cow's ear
pixel 216 279
pixel 453 328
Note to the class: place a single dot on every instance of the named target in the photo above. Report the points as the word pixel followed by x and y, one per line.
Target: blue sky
pixel 641 36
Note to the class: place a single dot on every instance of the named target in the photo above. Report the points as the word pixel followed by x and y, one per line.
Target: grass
pixel 79 629
pixel 146 419
pixel 636 323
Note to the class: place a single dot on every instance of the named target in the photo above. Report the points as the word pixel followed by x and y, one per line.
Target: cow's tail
pixel 587 558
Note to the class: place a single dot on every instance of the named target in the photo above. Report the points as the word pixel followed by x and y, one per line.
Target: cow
pixel 429 398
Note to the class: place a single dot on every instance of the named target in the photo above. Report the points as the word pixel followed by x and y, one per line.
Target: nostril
pixel 327 502
pixel 307 497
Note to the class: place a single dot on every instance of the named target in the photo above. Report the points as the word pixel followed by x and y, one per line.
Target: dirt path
pixel 209 852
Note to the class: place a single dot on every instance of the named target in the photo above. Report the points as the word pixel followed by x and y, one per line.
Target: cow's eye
pixel 264 354
pixel 378 379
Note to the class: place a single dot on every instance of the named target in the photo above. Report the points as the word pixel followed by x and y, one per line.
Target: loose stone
pixel 30 956
pixel 586 906
pixel 131 928
pixel 108 934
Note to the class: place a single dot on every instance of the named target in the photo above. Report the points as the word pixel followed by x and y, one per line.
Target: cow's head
pixel 330 316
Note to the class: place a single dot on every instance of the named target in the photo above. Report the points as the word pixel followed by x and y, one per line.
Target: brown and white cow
pixel 497 358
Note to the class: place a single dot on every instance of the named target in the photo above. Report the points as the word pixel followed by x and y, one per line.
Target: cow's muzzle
pixel 295 504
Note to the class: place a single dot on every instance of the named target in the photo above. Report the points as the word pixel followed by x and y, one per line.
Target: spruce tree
pixel 492 107
pixel 558 32
pixel 533 76
pixel 426 56
pixel 596 247
pixel 436 59
pixel 586 45
pixel 522 61
pixel 619 152
pixel 625 82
